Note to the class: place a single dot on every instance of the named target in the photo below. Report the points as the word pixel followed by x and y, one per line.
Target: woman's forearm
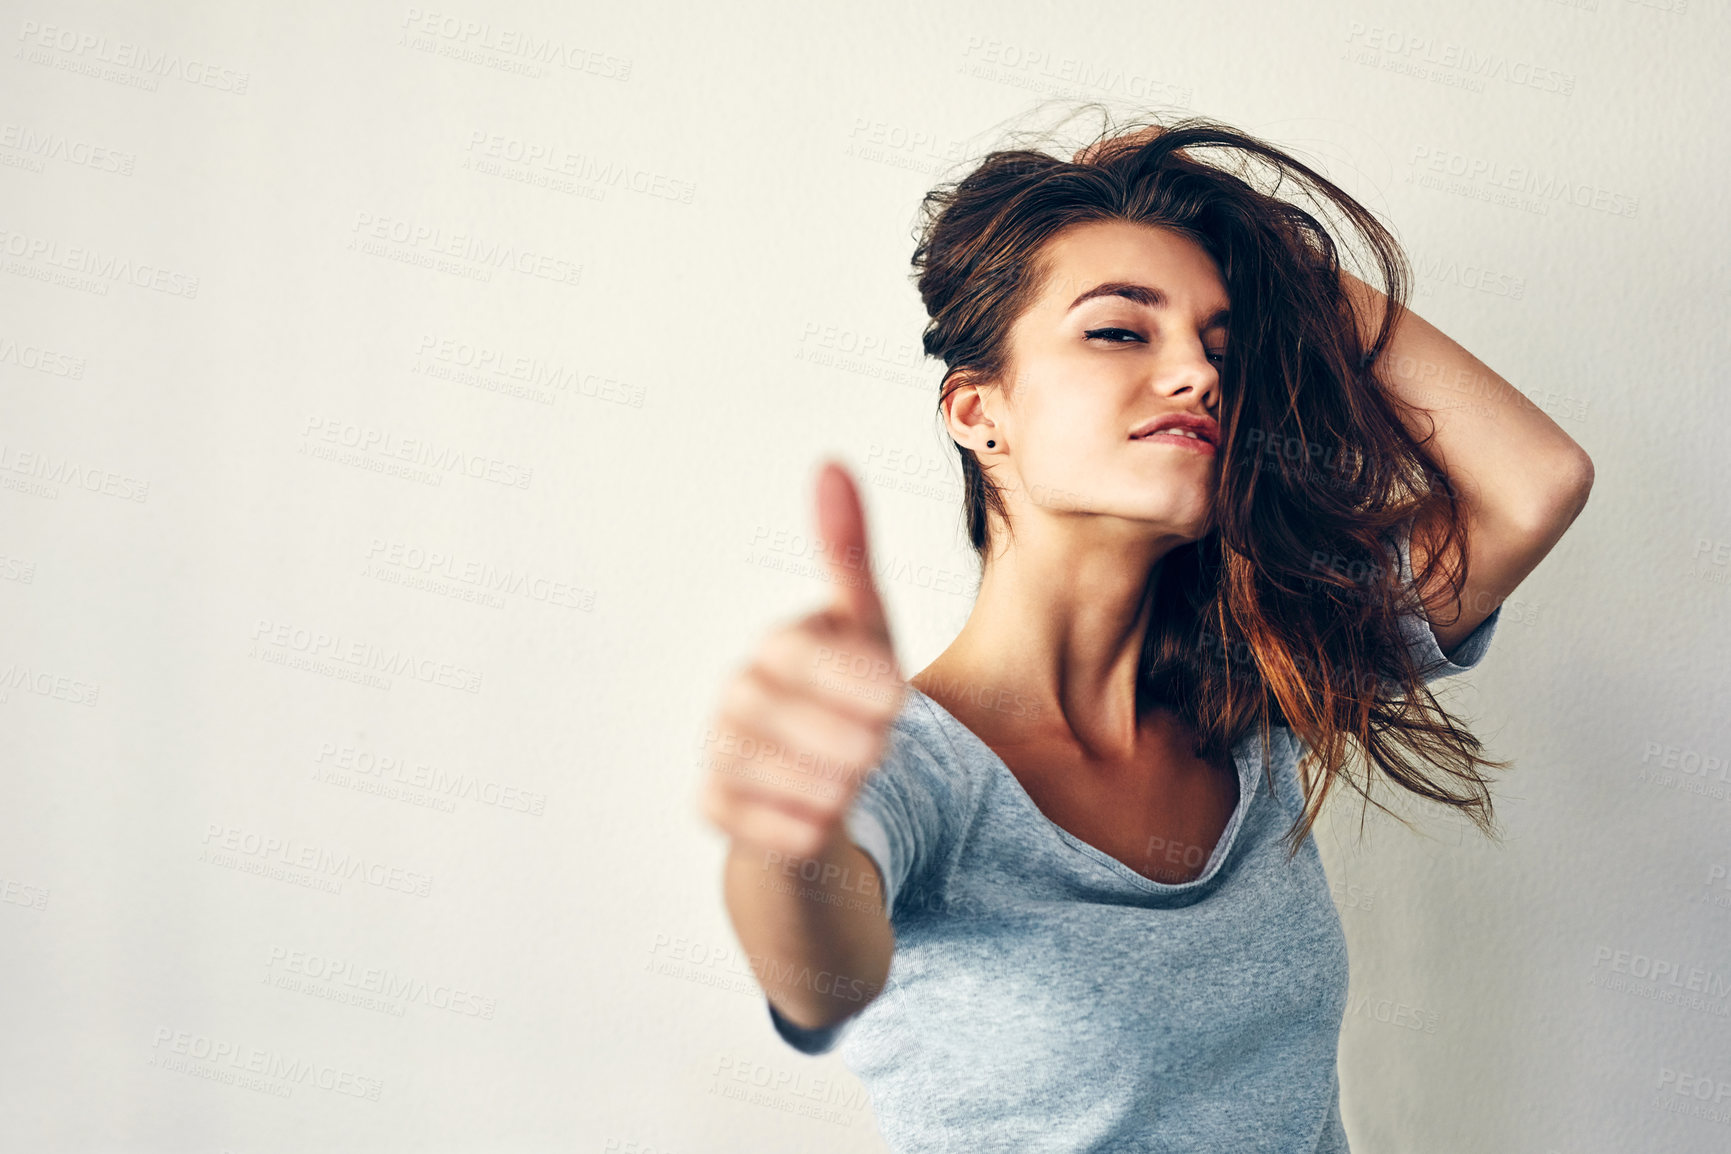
pixel 820 948
pixel 1501 452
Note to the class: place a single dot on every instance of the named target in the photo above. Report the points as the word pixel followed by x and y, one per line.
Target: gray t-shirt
pixel 1044 996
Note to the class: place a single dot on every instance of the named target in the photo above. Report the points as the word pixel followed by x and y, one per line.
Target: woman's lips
pixel 1194 444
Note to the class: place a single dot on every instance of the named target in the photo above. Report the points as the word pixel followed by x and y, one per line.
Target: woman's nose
pixel 1189 374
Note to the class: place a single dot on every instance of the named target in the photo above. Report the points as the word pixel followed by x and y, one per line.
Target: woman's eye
pixel 1113 335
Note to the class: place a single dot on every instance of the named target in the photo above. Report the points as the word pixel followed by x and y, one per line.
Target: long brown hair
pixel 1287 611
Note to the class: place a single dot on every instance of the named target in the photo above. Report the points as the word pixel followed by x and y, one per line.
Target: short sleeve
pixel 901 818
pixel 1421 639
pixel 907 806
pixel 821 1040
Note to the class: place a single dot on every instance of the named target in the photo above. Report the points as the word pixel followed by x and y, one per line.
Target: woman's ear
pixel 965 410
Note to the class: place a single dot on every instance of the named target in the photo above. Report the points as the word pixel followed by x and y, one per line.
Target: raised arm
pixel 796 732
pixel 1522 480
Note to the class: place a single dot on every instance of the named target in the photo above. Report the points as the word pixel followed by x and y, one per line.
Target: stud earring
pixel 991 444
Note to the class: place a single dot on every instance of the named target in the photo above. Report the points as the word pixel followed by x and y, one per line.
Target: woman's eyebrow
pixel 1143 295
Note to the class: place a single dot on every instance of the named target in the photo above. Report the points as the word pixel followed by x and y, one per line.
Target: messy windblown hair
pixel 1287 611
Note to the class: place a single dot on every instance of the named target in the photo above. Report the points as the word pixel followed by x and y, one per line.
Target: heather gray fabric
pixel 1045 997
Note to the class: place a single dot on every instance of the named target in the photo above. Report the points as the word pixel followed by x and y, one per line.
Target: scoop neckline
pixel 1222 847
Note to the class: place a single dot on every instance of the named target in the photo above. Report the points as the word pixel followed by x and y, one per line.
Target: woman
pixel 1235 509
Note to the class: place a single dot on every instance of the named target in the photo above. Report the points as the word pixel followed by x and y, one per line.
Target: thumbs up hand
pixel 800 725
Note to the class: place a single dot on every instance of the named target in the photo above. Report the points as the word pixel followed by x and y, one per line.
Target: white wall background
pixel 260 896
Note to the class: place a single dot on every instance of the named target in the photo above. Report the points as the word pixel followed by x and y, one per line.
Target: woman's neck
pixel 1058 665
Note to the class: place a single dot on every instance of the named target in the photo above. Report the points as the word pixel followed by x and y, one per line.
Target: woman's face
pixel 1130 326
